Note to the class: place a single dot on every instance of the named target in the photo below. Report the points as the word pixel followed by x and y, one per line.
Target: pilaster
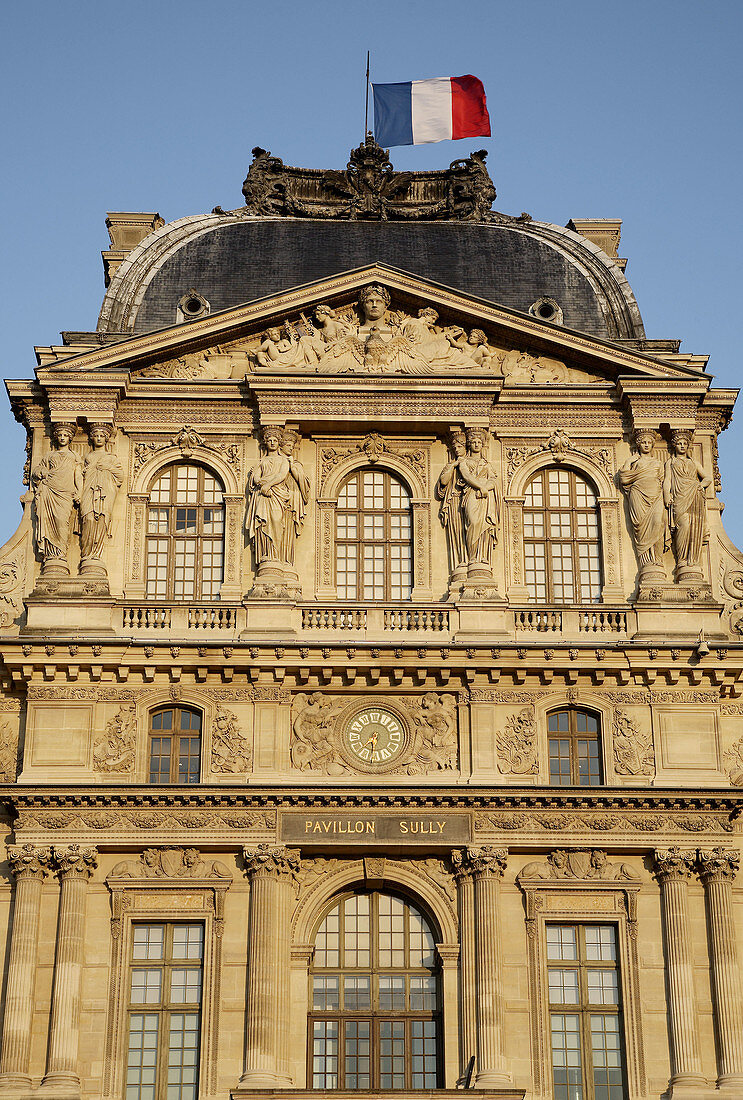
pixel 717 869
pixel 75 864
pixel 29 865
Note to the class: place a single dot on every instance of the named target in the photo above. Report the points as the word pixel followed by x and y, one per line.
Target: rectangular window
pixel 164 1017
pixel 585 1013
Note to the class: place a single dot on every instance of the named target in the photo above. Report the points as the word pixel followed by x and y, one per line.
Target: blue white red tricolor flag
pixel 417 111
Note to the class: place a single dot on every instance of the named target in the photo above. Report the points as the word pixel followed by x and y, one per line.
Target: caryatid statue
pixel 298 485
pixel 641 478
pixel 449 492
pixel 684 495
pixel 57 484
pixel 103 474
pixel 477 481
pixel 279 490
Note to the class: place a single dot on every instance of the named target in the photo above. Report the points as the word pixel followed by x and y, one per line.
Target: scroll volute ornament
pixel 718 863
pixel 271 861
pixel 76 860
pixel 673 863
pixel 28 860
pixel 485 862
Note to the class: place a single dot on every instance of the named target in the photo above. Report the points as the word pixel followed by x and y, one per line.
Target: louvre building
pixel 371 671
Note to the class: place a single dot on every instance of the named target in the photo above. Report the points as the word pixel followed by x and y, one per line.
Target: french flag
pixel 417 111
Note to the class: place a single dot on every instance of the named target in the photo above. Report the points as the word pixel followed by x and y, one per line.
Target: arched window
pixel 574 748
pixel 374 997
pixel 185 535
pixel 175 745
pixel 562 538
pixel 373 546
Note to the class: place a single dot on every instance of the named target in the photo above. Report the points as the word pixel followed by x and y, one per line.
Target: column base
pixel 732 1083
pixel 490 1079
pixel 251 1081
pixel 698 1089
pixel 64 1085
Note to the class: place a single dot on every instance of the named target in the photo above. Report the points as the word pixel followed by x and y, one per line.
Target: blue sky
pixel 627 110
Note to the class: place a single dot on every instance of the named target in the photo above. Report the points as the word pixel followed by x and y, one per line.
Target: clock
pixel 373 738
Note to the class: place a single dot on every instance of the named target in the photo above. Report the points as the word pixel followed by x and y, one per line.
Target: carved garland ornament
pixel 114 750
pixel 633 748
pixel 187 440
pixel 560 445
pixel 517 744
pixel 373 446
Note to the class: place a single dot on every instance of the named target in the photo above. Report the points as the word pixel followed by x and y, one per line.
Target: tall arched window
pixel 185 535
pixel 175 745
pixel 562 538
pixel 574 741
pixel 374 997
pixel 373 545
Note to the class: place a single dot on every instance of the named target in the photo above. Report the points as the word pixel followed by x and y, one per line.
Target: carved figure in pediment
pixel 57 485
pixel 641 478
pixel 103 475
pixel 520 367
pixel 279 490
pixel 684 494
pixel 480 503
pixel 279 349
pixel 480 351
pixel 449 492
pixel 439 347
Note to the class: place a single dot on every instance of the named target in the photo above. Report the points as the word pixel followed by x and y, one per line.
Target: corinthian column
pixel 717 871
pixel 75 864
pixel 463 872
pixel 673 868
pixel 488 865
pixel 271 872
pixel 29 866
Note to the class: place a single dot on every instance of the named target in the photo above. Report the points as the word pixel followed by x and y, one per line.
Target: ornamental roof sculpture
pixel 370 189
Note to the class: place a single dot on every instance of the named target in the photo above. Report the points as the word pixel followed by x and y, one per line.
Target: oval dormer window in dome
pixel 546 309
pixel 192 306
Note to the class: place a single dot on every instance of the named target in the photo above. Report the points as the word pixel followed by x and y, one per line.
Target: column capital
pixel 28 861
pixel 485 862
pixel 271 861
pixel 673 864
pixel 718 864
pixel 76 860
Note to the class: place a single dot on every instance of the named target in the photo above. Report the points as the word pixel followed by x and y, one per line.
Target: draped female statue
pixel 57 485
pixel 279 491
pixel 641 478
pixel 102 478
pixel 449 492
pixel 684 488
pixel 480 504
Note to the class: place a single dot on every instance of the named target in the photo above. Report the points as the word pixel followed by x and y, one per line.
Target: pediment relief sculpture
pixel 165 863
pixel 590 865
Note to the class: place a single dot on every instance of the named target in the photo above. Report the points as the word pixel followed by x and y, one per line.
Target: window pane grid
pixel 175 757
pixel 185 544
pixel 373 531
pixel 587 1052
pixel 163 1050
pixel 574 749
pixel 561 539
pixel 378 1027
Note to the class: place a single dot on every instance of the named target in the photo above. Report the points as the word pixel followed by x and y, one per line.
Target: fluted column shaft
pixel 467 968
pixel 717 870
pixel 75 865
pixel 487 866
pixel 29 865
pixel 271 872
pixel 672 868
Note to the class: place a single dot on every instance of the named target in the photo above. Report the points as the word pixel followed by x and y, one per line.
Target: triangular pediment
pixel 422 329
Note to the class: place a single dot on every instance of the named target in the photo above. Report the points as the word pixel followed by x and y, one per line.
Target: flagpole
pixel 366 112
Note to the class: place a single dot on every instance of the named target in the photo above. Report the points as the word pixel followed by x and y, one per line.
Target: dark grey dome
pixel 231 260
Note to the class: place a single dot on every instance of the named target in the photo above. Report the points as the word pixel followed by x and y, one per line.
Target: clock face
pixel 374 737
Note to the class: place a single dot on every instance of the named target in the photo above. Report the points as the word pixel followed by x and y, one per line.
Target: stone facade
pixel 456 662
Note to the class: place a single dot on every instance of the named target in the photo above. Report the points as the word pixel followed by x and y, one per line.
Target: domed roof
pixel 264 249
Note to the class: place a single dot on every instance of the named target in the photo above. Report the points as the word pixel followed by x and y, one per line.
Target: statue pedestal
pixel 270 616
pixel 70 610
pixel 679 610
pixel 483 613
